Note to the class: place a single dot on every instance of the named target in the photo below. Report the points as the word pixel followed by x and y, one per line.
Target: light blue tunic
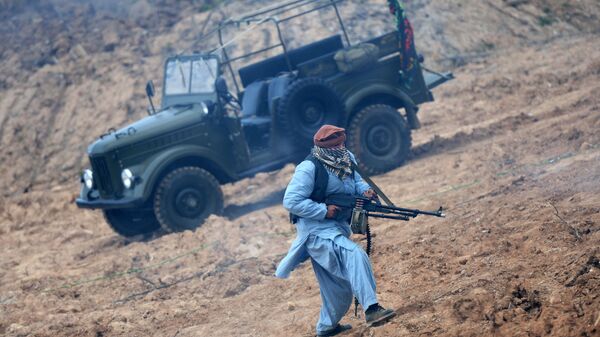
pixel 341 266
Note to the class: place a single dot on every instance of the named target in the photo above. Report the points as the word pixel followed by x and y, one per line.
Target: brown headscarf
pixel 329 149
pixel 329 136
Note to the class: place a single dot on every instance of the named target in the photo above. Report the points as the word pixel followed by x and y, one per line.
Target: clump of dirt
pixel 528 301
pixel 589 266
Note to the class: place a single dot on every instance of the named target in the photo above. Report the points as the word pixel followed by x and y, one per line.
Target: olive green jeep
pixel 165 170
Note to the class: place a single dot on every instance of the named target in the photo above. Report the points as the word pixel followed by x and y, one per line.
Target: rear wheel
pixel 186 197
pixel 307 104
pixel 131 222
pixel 379 138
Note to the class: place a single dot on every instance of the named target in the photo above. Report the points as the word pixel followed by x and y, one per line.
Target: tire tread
pixel 354 129
pixel 168 179
pixel 282 117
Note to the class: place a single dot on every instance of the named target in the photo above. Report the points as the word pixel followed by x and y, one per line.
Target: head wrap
pixel 329 136
pixel 329 149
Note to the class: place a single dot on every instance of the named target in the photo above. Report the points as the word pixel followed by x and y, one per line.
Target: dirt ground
pixel 511 148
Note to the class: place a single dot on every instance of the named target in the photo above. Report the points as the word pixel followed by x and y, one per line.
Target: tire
pixel 307 104
pixel 379 138
pixel 186 197
pixel 131 222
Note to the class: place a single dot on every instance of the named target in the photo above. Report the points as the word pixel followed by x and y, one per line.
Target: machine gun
pixel 357 210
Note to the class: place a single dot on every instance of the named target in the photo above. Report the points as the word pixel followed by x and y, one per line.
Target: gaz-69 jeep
pixel 166 169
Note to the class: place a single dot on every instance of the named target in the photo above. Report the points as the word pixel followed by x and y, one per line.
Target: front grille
pixel 102 175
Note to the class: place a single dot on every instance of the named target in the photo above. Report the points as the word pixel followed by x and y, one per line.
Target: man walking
pixel 342 268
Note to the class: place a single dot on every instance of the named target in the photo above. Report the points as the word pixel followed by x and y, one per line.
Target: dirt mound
pixel 511 148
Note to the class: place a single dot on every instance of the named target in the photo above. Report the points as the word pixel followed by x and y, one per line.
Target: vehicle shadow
pixel 233 212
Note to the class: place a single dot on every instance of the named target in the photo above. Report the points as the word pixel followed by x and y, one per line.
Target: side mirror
pixel 150 93
pixel 150 88
pixel 221 87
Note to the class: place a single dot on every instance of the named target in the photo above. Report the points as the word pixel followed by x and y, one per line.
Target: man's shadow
pixel 233 212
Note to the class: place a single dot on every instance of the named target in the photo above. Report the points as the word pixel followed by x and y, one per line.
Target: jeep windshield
pixel 191 76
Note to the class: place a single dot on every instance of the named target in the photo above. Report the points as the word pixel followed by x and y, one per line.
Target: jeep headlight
pixel 204 108
pixel 88 179
pixel 127 178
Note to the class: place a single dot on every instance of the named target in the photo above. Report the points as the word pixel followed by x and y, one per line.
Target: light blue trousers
pixel 343 270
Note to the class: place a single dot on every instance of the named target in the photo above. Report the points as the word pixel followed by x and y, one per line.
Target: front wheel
pixel 379 138
pixel 131 222
pixel 186 197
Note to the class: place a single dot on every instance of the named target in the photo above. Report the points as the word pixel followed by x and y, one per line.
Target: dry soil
pixel 511 148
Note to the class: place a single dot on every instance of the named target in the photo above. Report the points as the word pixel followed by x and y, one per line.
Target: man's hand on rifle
pixel 332 211
pixel 370 194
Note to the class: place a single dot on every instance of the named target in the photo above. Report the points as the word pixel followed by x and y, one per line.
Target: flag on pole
pixel 408 53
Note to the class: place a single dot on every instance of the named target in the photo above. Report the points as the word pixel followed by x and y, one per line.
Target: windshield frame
pixel 187 67
pixel 189 97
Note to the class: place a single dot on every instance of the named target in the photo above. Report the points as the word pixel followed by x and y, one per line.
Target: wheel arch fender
pixel 379 94
pixel 188 155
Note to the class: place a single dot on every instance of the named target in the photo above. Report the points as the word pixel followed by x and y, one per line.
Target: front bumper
pixel 109 203
pixel 92 199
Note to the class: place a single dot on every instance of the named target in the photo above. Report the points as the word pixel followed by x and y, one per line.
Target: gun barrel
pixel 437 213
pixel 384 216
pixel 388 210
pixel 403 211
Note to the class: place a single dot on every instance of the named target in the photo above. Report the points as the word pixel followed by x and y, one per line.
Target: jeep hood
pixel 167 120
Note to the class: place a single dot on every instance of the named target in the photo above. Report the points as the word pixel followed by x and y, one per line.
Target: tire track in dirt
pixel 42 139
pixel 21 100
pixel 511 123
pixel 439 144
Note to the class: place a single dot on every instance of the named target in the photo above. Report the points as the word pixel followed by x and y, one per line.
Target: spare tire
pixel 307 104
pixel 379 138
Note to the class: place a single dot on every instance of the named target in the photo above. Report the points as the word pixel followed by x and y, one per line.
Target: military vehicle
pixel 165 170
